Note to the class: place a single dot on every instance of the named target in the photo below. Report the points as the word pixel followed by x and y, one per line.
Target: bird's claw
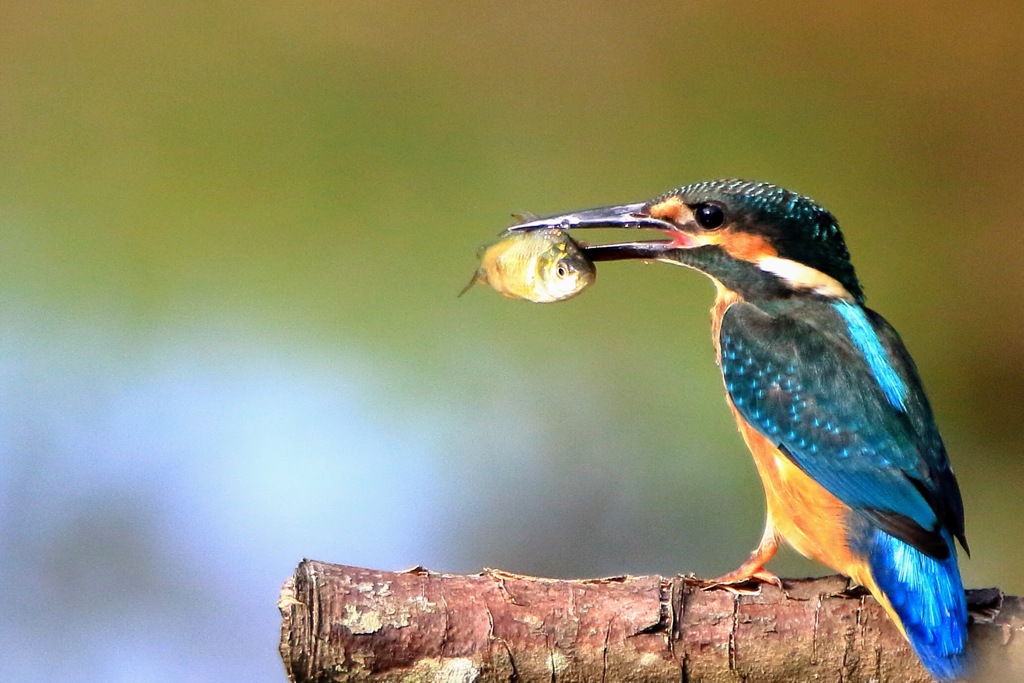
pixel 735 581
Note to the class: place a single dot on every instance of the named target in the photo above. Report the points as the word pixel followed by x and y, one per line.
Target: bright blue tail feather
pixel 928 595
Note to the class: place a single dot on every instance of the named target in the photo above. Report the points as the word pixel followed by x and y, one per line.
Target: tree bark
pixel 345 624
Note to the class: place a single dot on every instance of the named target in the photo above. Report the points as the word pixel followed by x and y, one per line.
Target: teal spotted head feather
pixel 796 228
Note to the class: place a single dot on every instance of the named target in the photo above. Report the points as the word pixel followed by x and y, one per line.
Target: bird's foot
pixel 752 571
pixel 735 581
pixel 744 575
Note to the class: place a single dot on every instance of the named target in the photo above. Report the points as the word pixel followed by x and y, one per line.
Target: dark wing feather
pixel 796 376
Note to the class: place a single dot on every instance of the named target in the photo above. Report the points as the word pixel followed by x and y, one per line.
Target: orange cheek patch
pixel 742 246
pixel 675 211
pixel 746 247
pixel 672 209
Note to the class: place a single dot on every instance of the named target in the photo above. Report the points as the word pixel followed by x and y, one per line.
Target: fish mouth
pixel 629 216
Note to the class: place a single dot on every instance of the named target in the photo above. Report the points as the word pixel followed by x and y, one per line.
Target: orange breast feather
pixel 807 516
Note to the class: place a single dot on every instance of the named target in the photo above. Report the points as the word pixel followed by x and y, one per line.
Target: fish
pixel 542 266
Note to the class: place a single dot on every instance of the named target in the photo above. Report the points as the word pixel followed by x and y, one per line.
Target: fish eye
pixel 561 270
pixel 709 216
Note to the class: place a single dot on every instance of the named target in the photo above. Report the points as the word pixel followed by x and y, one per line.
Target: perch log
pixel 345 624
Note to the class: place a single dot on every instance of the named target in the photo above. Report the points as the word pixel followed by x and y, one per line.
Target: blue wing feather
pixel 869 344
pixel 837 392
pixel 927 595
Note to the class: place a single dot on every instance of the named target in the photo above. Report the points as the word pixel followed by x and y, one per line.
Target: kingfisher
pixel 825 395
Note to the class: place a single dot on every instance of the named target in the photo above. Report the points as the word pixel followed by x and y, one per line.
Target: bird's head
pixel 757 239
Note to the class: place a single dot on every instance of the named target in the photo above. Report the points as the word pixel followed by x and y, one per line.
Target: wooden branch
pixel 345 624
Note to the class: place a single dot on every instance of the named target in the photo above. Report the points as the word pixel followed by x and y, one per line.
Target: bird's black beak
pixel 625 216
pixel 632 216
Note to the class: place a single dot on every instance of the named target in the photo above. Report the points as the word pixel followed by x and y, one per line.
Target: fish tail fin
pixel 925 596
pixel 469 285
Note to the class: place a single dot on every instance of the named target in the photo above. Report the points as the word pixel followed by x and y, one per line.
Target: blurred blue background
pixel 231 239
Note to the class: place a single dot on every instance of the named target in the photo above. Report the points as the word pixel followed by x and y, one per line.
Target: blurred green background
pixel 231 239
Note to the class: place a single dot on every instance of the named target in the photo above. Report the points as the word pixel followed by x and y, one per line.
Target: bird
pixel 825 395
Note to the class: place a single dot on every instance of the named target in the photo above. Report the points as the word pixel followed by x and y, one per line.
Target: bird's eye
pixel 709 216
